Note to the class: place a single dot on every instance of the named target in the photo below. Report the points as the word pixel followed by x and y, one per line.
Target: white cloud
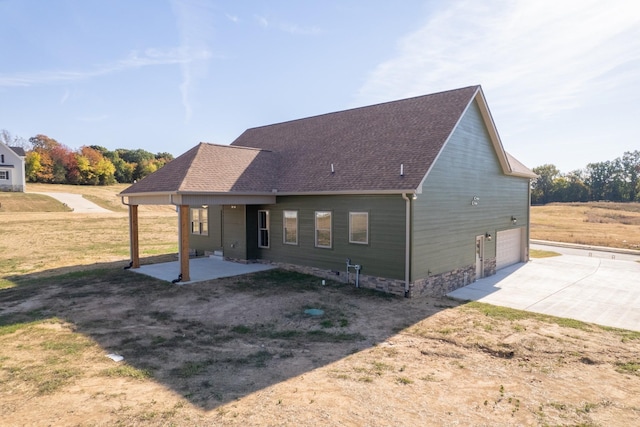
pixel 65 96
pixel 287 27
pixel 150 57
pixel 194 18
pixel 93 119
pixel 262 21
pixel 544 56
pixel 296 29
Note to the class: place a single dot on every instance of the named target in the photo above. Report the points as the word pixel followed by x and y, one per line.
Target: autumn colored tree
pixel 60 156
pixel 94 168
pixel 43 143
pixel 49 161
pixel 124 171
pixel 32 165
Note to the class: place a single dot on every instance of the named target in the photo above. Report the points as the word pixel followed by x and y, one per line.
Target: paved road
pixel 76 202
pixel 583 250
pixel 584 284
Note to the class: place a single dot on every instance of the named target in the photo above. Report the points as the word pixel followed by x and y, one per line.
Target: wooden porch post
pixel 134 246
pixel 183 245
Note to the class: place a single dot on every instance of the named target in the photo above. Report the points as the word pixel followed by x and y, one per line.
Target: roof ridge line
pixel 243 147
pixel 360 108
pixel 196 149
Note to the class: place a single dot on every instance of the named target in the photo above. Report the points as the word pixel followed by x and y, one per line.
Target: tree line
pixel 612 180
pixel 49 161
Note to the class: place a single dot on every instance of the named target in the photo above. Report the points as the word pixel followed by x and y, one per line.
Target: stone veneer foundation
pixel 436 285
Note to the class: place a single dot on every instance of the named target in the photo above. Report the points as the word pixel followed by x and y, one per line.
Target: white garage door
pixel 508 247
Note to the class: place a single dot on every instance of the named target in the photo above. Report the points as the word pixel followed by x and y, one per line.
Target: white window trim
pixel 330 229
pixel 5 175
pixel 199 230
pixel 267 228
pixel 351 230
pixel 284 227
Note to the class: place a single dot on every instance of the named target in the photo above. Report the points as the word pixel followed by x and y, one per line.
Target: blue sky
pixel 562 77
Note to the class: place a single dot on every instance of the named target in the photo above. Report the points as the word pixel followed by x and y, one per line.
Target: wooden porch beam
pixel 183 236
pixel 134 246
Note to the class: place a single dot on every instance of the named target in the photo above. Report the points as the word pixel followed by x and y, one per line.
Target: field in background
pixel 104 196
pixel 614 225
pixel 39 234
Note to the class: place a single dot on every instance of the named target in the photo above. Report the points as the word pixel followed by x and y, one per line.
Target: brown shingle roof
pixel 366 147
pixel 213 168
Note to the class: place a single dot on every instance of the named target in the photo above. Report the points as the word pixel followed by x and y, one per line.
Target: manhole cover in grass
pixel 314 312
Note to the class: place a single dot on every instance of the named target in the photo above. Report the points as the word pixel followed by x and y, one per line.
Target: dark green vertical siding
pixel 252 232
pixel 235 231
pixel 383 256
pixel 444 221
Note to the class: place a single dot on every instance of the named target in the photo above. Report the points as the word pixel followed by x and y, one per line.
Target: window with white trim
pixel 4 174
pixel 200 221
pixel 323 229
pixel 359 227
pixel 263 229
pixel 290 227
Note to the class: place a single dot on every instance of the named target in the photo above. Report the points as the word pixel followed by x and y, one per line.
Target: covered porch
pixel 187 269
pixel 207 175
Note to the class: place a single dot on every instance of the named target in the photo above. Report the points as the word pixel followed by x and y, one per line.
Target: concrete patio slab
pixel 200 269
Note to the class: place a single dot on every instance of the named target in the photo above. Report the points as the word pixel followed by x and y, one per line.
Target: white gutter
pixel 407 250
pixel 272 193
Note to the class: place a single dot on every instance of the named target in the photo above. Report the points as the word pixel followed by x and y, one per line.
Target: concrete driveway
pixel 76 202
pixel 583 284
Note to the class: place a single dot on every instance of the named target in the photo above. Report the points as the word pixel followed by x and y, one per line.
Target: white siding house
pixel 12 172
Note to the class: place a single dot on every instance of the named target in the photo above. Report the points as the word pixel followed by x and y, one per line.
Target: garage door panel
pixel 508 247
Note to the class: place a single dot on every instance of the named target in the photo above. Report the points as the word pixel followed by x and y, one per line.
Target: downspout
pixel 528 247
pixel 407 250
pixel 181 246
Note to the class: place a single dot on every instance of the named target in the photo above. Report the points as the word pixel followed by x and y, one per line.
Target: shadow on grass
pixel 215 341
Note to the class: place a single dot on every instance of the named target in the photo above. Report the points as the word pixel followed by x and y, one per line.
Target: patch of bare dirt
pixel 242 351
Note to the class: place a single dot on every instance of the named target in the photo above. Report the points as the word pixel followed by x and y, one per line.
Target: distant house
pixel 12 172
pixel 419 194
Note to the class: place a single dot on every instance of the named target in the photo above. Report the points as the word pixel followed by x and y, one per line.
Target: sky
pixel 561 77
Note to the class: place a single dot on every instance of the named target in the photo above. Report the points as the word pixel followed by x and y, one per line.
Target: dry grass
pixel 229 352
pixel 538 253
pixel 24 202
pixel 39 235
pixel 596 223
pixel 104 196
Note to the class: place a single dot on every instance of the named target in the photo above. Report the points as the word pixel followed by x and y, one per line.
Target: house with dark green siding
pixel 412 197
